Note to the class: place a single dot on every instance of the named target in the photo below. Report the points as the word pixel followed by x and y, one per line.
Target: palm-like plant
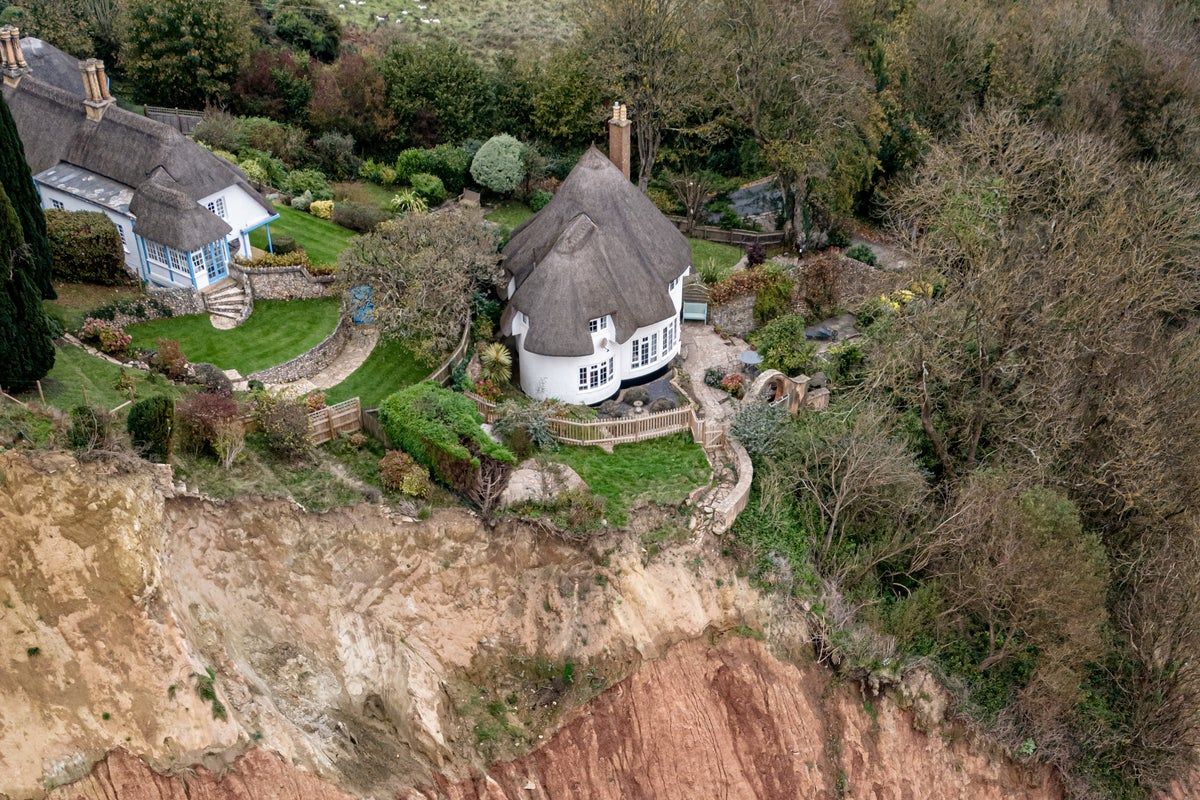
pixel 408 201
pixel 495 362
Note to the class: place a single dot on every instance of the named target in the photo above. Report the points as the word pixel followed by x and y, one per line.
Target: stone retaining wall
pixel 735 316
pixel 284 283
pixel 308 364
pixel 726 510
pixel 179 301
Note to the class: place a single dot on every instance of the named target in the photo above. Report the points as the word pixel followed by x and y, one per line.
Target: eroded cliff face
pixel 260 651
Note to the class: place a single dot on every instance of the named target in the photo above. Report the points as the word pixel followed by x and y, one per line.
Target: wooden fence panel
pixel 374 428
pixel 737 236
pixel 332 421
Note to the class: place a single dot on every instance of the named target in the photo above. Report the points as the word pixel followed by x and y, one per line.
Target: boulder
pixel 539 482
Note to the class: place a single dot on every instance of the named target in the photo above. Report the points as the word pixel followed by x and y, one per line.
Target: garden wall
pixel 735 316
pixel 308 364
pixel 284 283
pixel 179 301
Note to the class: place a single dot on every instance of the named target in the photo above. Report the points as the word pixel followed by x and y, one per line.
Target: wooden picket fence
pixel 637 428
pixel 332 421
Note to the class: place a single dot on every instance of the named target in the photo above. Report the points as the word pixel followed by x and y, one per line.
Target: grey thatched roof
pixel 599 247
pixel 166 214
pixel 52 65
pixel 122 147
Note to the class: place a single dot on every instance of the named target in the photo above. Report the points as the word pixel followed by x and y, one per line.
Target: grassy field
pixel 320 238
pixel 509 215
pixel 662 470
pixel 278 330
pixel 76 299
pixel 486 26
pixel 79 378
pixel 390 367
pixel 713 260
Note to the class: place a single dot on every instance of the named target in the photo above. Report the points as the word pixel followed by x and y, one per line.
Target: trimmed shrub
pixel 255 172
pixel 399 472
pixel 200 418
pixel 860 252
pixel 429 187
pixel 302 202
pixel 295 258
pixel 440 429
pixel 636 394
pixel 322 209
pixel 89 428
pixel 282 245
pixel 86 247
pixel 150 424
pixel 334 153
pixel 414 161
pixel 108 337
pixel 358 217
pixel 539 200
pixel 662 404
pixel 169 359
pixel 449 163
pixel 782 345
pixel 375 172
pixel 214 380
pixel 283 424
pixel 311 181
pixel 499 165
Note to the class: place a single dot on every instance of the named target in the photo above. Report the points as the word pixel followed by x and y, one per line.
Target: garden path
pixel 356 351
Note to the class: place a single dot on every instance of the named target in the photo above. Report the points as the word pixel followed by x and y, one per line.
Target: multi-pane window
pixel 58 205
pixel 668 336
pixel 594 376
pixel 217 207
pixel 157 253
pixel 645 351
pixel 598 324
pixel 121 233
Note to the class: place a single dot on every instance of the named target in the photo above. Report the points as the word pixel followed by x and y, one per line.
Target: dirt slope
pixel 351 654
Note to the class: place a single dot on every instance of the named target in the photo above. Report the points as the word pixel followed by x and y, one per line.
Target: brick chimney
pixel 95 88
pixel 618 138
pixel 12 60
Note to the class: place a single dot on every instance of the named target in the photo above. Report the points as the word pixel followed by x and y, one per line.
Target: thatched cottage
pixel 595 283
pixel 182 212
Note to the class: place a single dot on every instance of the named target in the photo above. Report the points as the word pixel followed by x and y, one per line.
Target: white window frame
pixel 598 324
pixel 218 207
pixel 121 233
pixel 57 204
pixel 645 350
pixel 593 376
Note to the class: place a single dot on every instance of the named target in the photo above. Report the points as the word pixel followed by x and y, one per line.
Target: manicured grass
pixel 509 215
pixel 662 470
pixel 79 378
pixel 390 367
pixel 278 330
pixel 320 238
pixel 76 299
pixel 713 258
pixel 365 193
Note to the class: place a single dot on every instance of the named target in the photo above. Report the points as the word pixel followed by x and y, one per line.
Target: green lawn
pixel 509 215
pixel 320 238
pixel 390 367
pixel 76 299
pixel 662 470
pixel 365 193
pixel 278 330
pixel 712 259
pixel 81 378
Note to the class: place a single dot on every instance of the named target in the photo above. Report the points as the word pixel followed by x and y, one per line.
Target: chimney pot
pixel 12 60
pixel 619 145
pixel 96 96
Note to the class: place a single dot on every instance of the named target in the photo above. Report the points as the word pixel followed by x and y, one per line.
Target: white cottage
pixel 595 283
pixel 182 213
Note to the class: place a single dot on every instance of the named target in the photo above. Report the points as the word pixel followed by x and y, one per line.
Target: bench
pixel 695 312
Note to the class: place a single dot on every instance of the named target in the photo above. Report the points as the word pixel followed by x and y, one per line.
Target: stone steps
pixel 226 303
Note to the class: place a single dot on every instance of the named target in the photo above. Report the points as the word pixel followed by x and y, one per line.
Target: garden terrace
pixel 391 366
pixel 277 331
pixel 321 239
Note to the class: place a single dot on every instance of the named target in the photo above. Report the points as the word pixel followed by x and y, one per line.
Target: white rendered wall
pixel 557 377
pixel 124 223
pixel 241 212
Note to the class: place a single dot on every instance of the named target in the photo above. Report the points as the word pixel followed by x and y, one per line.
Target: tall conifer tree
pixel 26 348
pixel 18 184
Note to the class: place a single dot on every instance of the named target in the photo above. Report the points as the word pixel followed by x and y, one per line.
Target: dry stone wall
pixel 735 316
pixel 308 364
pixel 284 283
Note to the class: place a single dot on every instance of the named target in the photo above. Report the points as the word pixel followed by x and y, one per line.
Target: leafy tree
pixel 500 164
pixel 782 345
pixel 186 52
pixel 18 183
pixel 568 104
pixel 275 84
pixel 422 270
pixel 26 350
pixel 350 96
pixel 309 26
pixel 438 92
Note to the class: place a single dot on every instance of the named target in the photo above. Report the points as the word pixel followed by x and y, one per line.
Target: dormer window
pixel 217 207
pixel 598 324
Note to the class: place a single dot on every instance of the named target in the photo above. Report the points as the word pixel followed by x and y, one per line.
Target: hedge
pixel 440 429
pixel 86 247
pixel 150 423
